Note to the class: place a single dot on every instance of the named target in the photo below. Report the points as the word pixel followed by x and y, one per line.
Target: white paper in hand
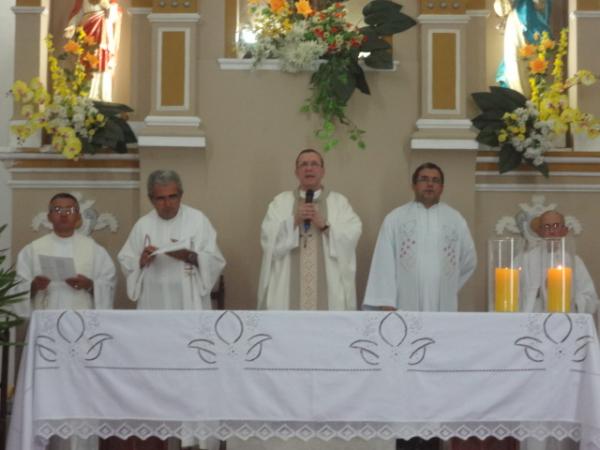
pixel 57 268
pixel 183 244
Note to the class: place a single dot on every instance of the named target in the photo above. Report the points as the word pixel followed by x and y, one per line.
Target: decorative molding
pixel 453 124
pixel 172 121
pixel 73 170
pixel 91 220
pixel 174 18
pixel 444 144
pixel 443 18
pixel 172 141
pixel 15 155
pixel 74 184
pixel 42 10
pixel 137 11
pixel 550 159
pixel 585 15
pixel 515 173
pixel 274 64
pixel 484 187
pixel 478 13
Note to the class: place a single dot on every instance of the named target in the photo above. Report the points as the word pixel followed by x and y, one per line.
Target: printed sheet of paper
pixel 57 268
pixel 184 244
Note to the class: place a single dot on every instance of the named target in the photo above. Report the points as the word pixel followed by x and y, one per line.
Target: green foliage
pixel 115 134
pixel 8 282
pixel 333 84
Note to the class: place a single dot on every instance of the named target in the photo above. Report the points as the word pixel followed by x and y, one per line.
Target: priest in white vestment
pixel 183 277
pixel 533 286
pixel 309 245
pixel 424 252
pixel 90 287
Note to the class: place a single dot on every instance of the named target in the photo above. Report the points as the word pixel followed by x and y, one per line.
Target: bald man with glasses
pixel 551 225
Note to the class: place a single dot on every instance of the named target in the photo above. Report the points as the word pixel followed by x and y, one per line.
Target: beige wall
pixel 254 130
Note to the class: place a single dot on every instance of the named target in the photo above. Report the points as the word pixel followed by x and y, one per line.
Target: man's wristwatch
pixel 191 258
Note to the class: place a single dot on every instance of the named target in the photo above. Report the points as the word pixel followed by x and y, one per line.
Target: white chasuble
pixel 168 283
pixel 335 250
pixel 90 259
pixel 422 258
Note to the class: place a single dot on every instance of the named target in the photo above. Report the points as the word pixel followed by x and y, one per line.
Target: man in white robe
pixel 179 279
pixel 424 252
pixel 92 287
pixel 533 289
pixel 309 248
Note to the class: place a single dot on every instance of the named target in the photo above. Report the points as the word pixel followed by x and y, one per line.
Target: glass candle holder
pixel 504 270
pixel 557 262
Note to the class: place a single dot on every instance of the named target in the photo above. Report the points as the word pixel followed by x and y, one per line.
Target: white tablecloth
pixel 307 375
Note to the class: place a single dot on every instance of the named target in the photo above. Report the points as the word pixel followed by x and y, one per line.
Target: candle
pixel 559 289
pixel 507 289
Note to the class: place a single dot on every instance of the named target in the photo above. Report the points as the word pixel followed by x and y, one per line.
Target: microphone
pixel 310 194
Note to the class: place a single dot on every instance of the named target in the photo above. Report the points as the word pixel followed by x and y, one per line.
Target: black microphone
pixel 310 194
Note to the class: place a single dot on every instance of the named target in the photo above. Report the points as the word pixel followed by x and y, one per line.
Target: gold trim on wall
pixel 172 88
pixel 28 3
pixel 443 6
pixel 443 71
pixel 588 5
pixel 141 3
pixel 231 18
pixel 476 4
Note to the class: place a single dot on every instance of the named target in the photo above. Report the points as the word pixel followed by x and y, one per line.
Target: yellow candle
pixel 559 289
pixel 507 289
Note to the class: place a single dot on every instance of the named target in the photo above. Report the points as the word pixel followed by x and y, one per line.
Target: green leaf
pixel 359 78
pixel 377 6
pixel 508 158
pixel 373 41
pixel 490 119
pixel 518 99
pixel 380 60
pixel 488 137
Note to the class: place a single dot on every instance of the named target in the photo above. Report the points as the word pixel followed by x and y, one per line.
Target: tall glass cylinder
pixel 558 262
pixel 504 269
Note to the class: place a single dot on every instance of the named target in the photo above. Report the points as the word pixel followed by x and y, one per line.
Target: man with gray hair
pixel 171 259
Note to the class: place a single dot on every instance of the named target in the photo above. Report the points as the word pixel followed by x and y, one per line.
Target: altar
pixel 307 375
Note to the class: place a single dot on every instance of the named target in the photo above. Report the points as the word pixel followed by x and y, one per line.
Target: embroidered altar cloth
pixel 307 375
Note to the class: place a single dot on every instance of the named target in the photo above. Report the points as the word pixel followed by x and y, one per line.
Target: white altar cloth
pixel 307 375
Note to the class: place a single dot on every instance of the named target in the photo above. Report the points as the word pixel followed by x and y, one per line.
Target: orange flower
pixel 91 60
pixel 526 51
pixel 72 47
pixel 277 5
pixel 303 7
pixel 538 65
pixel 90 40
pixel 548 44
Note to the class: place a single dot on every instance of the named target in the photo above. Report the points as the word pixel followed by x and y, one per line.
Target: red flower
pixel 334 30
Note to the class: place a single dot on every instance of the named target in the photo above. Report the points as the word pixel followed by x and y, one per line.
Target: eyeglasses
pixel 68 210
pixel 552 226
pixel 166 198
pixel 434 180
pixel 305 164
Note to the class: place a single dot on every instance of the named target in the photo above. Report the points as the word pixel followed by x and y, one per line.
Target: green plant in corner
pixel 8 296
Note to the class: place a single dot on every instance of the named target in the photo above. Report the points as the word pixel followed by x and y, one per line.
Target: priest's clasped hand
pixel 80 282
pixel 184 255
pixel 309 211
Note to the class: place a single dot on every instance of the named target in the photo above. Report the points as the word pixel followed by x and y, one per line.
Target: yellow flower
pixel 527 51
pixel 538 65
pixel 586 77
pixel 548 44
pixel 27 111
pixel 72 47
pixel 89 40
pixel 303 7
pixel 502 136
pixel 19 89
pixel 72 148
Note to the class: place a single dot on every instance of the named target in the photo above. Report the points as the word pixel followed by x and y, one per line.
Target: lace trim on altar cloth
pixel 317 430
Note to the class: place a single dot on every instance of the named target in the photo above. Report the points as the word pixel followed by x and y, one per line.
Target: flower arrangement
pixel 75 122
pixel 525 128
pixel 304 38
